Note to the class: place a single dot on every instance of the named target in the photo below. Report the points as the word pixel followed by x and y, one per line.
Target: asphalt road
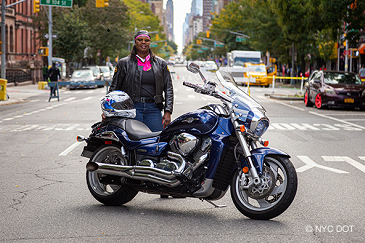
pixel 44 197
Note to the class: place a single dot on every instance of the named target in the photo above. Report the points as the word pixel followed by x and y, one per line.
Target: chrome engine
pixel 188 153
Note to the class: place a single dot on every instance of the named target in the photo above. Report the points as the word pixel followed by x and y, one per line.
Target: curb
pixel 284 97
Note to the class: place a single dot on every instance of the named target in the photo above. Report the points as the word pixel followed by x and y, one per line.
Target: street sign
pixel 219 45
pixel 205 48
pixel 240 38
pixel 346 52
pixel 57 3
pixel 199 51
pixel 153 45
pixel 54 36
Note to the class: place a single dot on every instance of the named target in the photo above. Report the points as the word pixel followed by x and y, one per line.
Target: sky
pixel 181 7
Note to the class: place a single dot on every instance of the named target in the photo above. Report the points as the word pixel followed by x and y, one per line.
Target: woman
pixel 146 78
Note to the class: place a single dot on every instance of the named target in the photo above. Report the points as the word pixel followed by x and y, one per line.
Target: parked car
pixel 97 73
pixel 334 88
pixel 82 79
pixel 107 73
pixel 210 66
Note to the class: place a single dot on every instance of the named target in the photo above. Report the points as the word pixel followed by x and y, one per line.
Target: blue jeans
pixel 149 114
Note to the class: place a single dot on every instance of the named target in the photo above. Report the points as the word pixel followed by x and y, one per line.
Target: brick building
pixel 21 41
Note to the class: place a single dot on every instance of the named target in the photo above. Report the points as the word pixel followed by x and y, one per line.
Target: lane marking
pixel 69 149
pixel 336 119
pixel 311 164
pixel 352 162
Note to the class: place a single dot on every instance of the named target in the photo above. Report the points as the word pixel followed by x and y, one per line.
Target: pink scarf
pixel 145 63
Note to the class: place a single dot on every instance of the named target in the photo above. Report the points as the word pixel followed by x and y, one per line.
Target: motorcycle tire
pixel 273 197
pixel 109 194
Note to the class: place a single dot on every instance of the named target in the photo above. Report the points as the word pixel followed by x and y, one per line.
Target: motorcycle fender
pixel 258 156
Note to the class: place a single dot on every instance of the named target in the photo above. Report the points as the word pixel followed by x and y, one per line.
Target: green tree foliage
pixel 107 28
pixel 72 34
pixel 313 26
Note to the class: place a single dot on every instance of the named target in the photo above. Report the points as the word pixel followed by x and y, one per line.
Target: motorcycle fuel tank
pixel 195 122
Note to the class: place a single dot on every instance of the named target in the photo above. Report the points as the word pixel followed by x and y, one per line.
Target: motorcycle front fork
pixel 246 151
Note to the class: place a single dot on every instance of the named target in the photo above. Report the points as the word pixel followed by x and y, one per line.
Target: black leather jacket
pixel 127 77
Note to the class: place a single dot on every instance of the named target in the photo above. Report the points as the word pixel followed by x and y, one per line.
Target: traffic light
pixel 208 33
pixel 157 37
pixel 199 41
pixel 36 6
pixel 101 3
pixel 43 51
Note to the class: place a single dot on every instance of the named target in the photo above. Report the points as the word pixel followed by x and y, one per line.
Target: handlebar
pixel 202 90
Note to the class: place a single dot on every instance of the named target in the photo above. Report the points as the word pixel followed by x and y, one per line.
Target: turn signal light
pixel 245 169
pixel 242 128
pixel 265 143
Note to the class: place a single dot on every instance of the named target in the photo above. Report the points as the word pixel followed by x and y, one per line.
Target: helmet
pixel 118 103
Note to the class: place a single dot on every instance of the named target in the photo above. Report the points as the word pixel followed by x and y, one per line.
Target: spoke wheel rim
pixel 103 156
pixel 306 98
pixel 275 196
pixel 318 101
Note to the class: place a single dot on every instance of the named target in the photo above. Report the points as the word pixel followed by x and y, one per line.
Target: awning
pixel 362 48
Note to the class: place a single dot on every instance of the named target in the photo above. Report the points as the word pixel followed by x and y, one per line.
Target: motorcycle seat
pixel 135 130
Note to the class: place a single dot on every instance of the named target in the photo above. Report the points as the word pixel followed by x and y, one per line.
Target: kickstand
pixel 215 205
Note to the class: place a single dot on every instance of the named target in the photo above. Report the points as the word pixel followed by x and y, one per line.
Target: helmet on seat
pixel 118 104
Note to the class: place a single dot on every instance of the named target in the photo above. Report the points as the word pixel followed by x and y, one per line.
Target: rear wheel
pixel 273 196
pixel 109 194
pixel 318 101
pixel 307 101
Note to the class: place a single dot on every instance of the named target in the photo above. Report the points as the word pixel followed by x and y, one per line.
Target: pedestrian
pixel 362 73
pixel 45 72
pixel 54 75
pixel 146 78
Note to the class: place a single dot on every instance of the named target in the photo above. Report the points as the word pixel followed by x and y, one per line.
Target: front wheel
pixel 307 101
pixel 109 194
pixel 273 196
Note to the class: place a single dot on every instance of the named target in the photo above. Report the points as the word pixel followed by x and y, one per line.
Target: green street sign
pixel 218 45
pixel 204 48
pixel 240 39
pixel 57 3
pixel 153 45
pixel 199 51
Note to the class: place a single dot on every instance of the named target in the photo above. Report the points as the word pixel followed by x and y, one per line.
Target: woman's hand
pixel 166 119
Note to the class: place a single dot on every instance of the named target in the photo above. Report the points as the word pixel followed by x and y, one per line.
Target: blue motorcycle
pixel 201 154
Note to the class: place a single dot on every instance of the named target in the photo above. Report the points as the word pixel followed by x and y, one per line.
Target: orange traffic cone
pixel 177 76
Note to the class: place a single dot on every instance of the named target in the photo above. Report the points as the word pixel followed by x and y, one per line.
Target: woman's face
pixel 142 44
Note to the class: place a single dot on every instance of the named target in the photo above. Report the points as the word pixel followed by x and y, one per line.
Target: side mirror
pixel 193 67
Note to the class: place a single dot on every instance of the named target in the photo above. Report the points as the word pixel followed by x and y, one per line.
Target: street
pixel 44 196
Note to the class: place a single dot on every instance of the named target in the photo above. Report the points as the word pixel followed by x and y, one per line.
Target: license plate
pixel 349 100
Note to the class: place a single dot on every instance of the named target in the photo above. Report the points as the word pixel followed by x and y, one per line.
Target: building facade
pixel 21 37
pixel 170 20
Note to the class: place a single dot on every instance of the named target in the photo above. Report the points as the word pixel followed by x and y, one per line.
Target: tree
pixel 72 34
pixel 107 28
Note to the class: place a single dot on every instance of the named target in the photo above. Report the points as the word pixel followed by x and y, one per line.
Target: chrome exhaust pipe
pixel 144 173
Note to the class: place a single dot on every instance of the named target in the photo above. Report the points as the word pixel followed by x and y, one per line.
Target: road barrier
pixel 279 77
pixel 79 83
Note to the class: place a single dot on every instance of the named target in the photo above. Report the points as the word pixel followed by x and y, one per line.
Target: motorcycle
pixel 200 154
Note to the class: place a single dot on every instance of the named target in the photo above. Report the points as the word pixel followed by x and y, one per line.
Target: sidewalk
pixel 285 92
pixel 18 94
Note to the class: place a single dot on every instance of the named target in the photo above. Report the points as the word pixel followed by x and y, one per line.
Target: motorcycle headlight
pixel 261 127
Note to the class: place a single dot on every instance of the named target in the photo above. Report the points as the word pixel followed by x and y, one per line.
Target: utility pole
pixel 3 46
pixel 50 36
